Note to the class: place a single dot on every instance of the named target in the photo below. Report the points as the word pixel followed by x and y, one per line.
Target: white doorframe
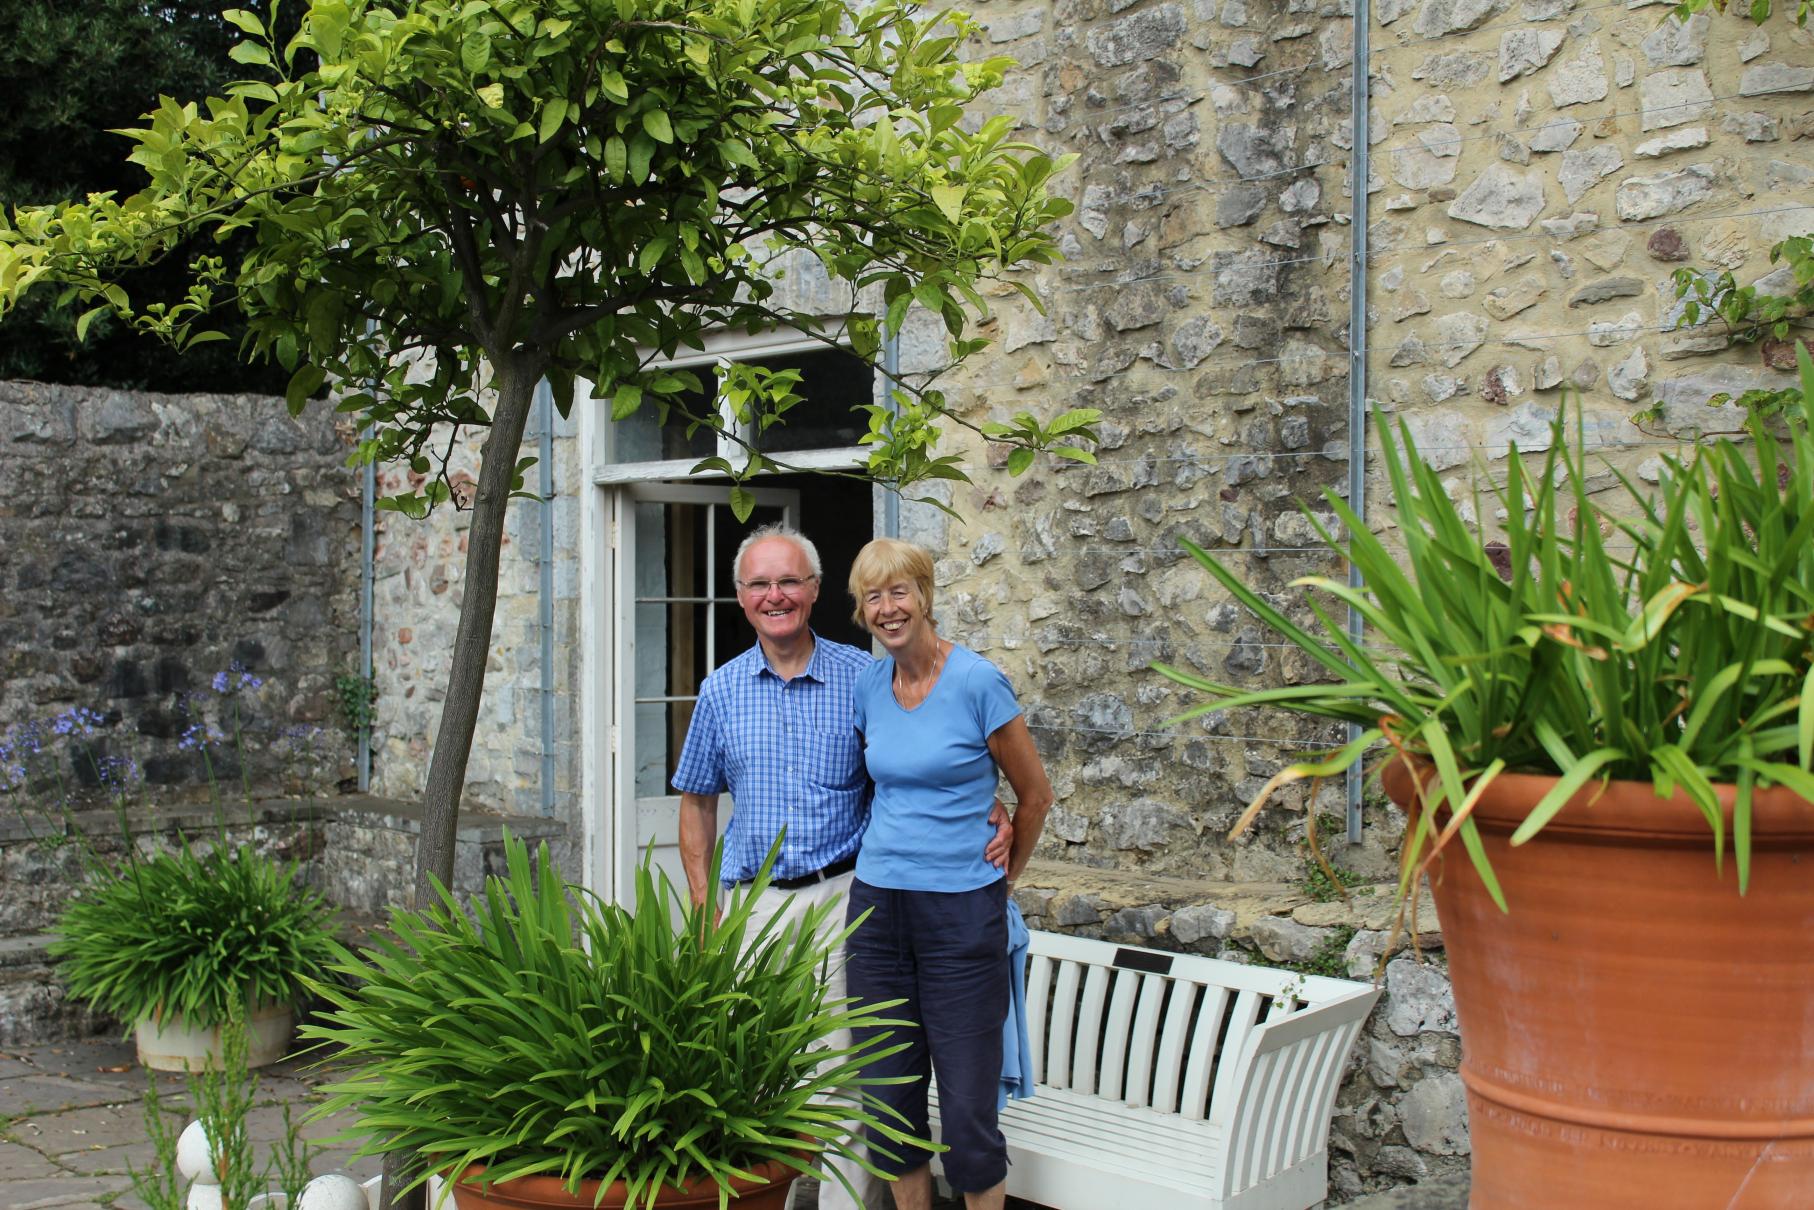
pixel 633 821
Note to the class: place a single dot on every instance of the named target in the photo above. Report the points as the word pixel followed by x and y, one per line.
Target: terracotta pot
pixel 1634 1032
pixel 536 1192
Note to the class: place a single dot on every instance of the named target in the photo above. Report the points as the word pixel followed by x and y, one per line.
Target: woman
pixel 938 724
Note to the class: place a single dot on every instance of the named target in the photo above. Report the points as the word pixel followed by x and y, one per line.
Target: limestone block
pixel 1434 1115
pixel 1526 426
pixel 1685 139
pixel 1605 249
pixel 1674 96
pixel 1137 37
pixel 1558 134
pixel 1455 336
pixel 1752 127
pixel 1579 80
pixel 1768 78
pixel 1501 198
pixel 1436 107
pixel 1757 42
pixel 1606 333
pixel 1684 411
pixel 1430 161
pixel 1522 51
pixel 1282 939
pixel 1418 999
pixel 1439 17
pixel 1582 170
pixel 1646 197
pixel 1201 922
pixel 1546 375
pixel 1257 150
pixel 1675 44
pixel 1572 226
pixel 1458 69
pixel 1630 379
pixel 1605 290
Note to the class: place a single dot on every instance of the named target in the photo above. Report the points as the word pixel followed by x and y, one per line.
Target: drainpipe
pixel 891 371
pixel 1358 173
pixel 368 497
pixel 545 398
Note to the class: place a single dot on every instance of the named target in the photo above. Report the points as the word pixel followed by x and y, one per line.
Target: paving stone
pixel 55 1192
pixel 20 1163
pixel 25 1095
pixel 1442 1193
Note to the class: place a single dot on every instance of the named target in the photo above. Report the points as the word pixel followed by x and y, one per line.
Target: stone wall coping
pixel 364 810
pixel 1046 888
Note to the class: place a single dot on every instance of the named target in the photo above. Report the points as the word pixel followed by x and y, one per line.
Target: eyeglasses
pixel 790 586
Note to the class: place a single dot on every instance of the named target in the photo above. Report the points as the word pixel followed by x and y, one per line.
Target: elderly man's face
pixel 776 587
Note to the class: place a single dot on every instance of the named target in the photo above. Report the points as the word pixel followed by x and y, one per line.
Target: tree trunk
pixel 516 379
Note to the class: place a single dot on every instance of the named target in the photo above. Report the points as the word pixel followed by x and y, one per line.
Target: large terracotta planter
pixel 769 1192
pixel 1634 1032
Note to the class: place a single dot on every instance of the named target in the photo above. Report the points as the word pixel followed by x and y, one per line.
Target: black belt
pixel 817 876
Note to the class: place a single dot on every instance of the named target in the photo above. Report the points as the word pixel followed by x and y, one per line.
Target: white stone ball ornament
pixel 334 1191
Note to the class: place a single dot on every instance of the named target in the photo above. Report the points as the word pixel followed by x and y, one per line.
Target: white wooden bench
pixel 1173 1082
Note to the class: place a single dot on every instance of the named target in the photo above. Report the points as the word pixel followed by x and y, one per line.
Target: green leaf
pixel 247 21
pixel 743 503
pixel 1019 460
pixel 86 319
pixel 303 383
pixel 549 122
pixel 642 151
pixel 651 254
pixel 655 121
pixel 950 201
pixel 475 52
pixel 625 402
pixel 492 95
pixel 616 158
pixel 250 53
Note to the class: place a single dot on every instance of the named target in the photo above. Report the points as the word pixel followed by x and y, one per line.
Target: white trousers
pixel 790 906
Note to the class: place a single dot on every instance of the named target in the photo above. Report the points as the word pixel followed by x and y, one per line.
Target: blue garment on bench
pixel 1016 1049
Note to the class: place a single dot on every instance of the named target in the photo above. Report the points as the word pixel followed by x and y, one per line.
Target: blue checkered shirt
pixel 787 751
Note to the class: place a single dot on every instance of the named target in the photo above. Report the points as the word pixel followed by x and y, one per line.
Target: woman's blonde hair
pixel 885 561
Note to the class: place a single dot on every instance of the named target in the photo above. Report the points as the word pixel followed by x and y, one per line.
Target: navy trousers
pixel 946 955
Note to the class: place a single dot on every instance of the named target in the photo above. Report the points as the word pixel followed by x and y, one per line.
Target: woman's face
pixel 893 614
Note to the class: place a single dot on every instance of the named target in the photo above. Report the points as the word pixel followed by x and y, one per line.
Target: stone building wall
pixel 420 566
pixel 183 568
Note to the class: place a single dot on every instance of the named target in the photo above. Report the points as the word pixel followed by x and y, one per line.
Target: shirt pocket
pixel 835 759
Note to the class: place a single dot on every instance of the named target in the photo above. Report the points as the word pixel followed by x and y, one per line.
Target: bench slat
pixel 1120 1021
pixel 1176 1037
pixel 1062 1038
pixel 1146 1033
pixel 1039 996
pixel 1089 1029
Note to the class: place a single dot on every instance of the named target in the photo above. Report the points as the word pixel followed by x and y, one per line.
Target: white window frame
pixel 722 348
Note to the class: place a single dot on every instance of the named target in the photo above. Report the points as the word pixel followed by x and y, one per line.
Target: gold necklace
pixel 904 689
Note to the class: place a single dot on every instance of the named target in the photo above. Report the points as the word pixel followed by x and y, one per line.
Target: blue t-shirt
pixel 934 777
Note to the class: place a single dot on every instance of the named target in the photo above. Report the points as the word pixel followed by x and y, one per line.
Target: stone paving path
pixel 72 1124
pixel 72 1127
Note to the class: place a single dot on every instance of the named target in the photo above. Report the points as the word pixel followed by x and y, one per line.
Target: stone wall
pixel 420 568
pixel 184 569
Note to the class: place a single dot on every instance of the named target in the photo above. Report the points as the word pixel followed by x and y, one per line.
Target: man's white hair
pixel 779 529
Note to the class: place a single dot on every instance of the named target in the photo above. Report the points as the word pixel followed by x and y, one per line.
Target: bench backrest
pixel 1234 1046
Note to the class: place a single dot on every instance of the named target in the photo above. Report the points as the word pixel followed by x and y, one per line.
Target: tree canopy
pixel 72 74
pixel 448 201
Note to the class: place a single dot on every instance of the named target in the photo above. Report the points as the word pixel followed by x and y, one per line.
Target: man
pixel 775 727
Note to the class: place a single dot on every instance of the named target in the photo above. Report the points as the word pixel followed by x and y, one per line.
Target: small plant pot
pixel 173 1044
pixel 769 1192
